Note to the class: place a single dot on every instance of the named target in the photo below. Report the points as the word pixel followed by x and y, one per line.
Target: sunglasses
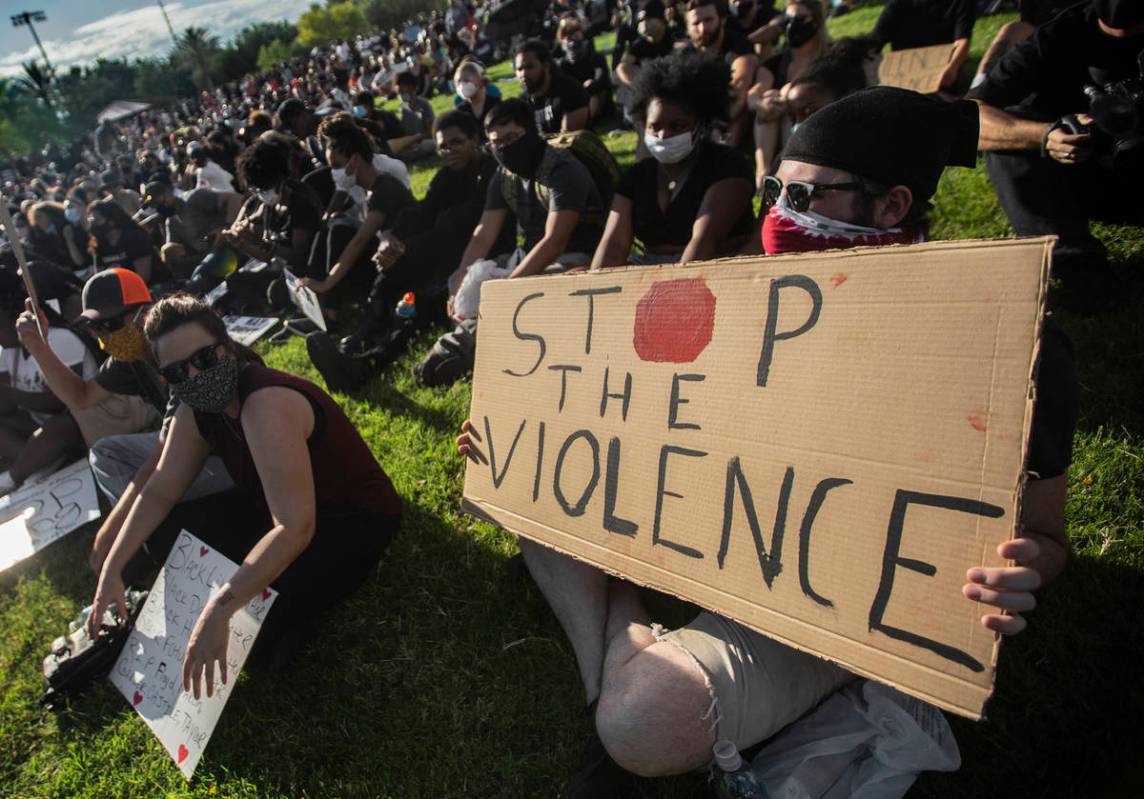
pixel 800 192
pixel 205 358
pixel 108 325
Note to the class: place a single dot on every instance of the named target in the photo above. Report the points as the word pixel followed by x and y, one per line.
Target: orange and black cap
pixel 109 294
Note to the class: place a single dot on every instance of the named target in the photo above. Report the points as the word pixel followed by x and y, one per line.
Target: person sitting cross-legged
pixel 660 700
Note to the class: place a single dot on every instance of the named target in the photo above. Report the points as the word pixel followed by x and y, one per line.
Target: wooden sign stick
pixel 21 260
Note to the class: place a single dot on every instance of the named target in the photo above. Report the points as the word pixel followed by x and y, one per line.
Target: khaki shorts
pixel 116 415
pixel 758 686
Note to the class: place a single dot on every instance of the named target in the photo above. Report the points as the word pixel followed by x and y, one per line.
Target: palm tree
pixel 34 81
pixel 199 47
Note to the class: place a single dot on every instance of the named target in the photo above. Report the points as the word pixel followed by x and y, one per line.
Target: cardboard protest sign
pixel 919 69
pixel 149 671
pixel 45 509
pixel 248 329
pixel 817 446
pixel 306 300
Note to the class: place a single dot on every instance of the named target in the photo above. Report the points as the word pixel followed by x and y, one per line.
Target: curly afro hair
pixel 700 84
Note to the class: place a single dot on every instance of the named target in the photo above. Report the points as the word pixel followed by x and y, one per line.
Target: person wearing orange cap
pixel 115 303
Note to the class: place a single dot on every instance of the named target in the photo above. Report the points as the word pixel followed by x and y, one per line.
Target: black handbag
pixel 76 660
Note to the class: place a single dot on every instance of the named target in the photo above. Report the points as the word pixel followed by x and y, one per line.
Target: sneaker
pixel 598 776
pixel 340 371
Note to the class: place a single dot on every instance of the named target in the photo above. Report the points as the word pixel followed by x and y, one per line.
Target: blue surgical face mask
pixel 360 111
pixel 71 215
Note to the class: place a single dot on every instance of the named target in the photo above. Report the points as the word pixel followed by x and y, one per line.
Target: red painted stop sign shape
pixel 674 321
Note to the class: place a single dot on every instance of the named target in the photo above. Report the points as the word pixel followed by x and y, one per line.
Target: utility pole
pixel 170 30
pixel 27 18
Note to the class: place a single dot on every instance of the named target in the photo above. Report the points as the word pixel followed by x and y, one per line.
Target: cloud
pixel 142 33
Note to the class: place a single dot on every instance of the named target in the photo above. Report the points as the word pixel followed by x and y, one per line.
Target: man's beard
pixel 712 38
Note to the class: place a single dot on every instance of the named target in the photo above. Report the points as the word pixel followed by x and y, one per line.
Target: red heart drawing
pixel 266 593
pixel 182 754
pixel 203 552
pixel 137 698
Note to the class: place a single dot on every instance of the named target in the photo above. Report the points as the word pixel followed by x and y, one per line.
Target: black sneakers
pixel 341 372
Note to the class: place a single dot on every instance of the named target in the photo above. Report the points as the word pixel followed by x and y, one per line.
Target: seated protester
pixel 55 238
pixel 417 254
pixel 558 212
pixel 119 241
pixel 581 61
pixel 114 304
pixel 207 172
pixel 284 220
pixel 661 700
pixel 349 151
pixel 416 121
pixel 383 125
pixel 1033 14
pixel 311 513
pixel 753 15
pixel 558 101
pixel 692 199
pixel 36 429
pixel 297 121
pixel 111 184
pixel 650 40
pixel 826 79
pixel 1053 175
pixel 905 24
pixel 193 245
pixel 806 40
pixel 710 35
pixel 477 95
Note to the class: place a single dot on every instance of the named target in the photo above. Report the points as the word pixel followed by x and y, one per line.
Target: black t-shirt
pixel 135 379
pixel 643 50
pixel 1038 12
pixel 389 195
pixel 133 244
pixel 654 227
pixel 303 211
pixel 197 216
pixel 564 96
pixel 1046 74
pixel 922 23
pixel 491 102
pixel 592 67
pixel 565 185
pixel 1056 409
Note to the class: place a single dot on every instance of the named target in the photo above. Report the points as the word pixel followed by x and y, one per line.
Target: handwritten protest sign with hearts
pixel 44 510
pixel 149 670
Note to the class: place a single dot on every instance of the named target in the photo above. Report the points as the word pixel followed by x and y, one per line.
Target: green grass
pixel 444 678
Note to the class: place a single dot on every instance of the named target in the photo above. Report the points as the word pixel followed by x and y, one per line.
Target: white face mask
pixel 269 197
pixel 671 150
pixel 342 181
pixel 467 89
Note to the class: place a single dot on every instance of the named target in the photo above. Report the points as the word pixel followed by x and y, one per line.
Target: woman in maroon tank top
pixel 311 513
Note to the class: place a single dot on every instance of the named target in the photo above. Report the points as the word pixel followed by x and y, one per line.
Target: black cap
pixel 110 293
pixel 288 109
pixel 651 9
pixel 894 136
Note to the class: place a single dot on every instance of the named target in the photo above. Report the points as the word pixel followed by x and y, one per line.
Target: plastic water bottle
pixel 406 308
pixel 735 779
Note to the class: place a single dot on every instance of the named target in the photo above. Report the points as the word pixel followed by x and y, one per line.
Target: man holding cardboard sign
pixel 816 448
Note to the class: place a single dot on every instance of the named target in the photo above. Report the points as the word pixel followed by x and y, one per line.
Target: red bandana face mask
pixel 787 230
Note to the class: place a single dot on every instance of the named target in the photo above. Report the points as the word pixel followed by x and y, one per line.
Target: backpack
pixel 587 147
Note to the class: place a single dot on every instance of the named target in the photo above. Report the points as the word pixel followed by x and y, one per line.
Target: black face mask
pixel 799 31
pixel 96 226
pixel 522 157
pixel 1120 14
pixel 165 210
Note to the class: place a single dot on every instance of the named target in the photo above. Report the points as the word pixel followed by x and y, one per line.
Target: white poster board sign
pixel 248 329
pixel 306 300
pixel 44 510
pixel 149 670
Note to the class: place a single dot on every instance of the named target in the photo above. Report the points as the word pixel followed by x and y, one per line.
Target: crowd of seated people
pixel 752 129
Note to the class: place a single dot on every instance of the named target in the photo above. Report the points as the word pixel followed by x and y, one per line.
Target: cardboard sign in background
pixel 149 671
pixel 817 446
pixel 44 510
pixel 919 69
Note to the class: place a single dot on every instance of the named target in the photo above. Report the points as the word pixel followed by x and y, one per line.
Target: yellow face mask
pixel 125 344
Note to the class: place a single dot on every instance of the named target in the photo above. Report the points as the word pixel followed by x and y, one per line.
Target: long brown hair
pixel 180 309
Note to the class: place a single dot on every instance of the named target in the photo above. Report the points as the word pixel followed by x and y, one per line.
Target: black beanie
pixel 894 136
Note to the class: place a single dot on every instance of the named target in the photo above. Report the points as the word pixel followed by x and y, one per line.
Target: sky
pixel 79 31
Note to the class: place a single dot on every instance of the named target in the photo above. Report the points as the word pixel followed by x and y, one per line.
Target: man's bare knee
pixel 654 716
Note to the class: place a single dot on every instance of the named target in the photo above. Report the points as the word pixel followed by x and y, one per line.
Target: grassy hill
pixel 444 677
